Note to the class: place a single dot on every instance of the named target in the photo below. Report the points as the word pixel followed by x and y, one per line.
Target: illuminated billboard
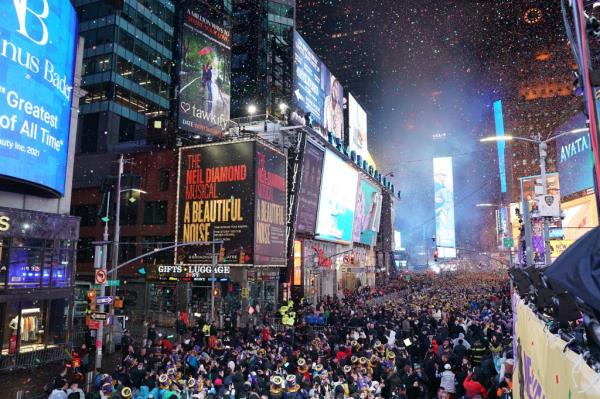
pixel 205 75
pixel 338 198
pixel 37 63
pixel 367 213
pixel 357 129
pixel 574 159
pixel 234 192
pixel 501 144
pixel 316 91
pixel 310 187
pixel 444 207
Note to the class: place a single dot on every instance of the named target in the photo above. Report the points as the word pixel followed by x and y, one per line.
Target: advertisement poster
pixel 37 65
pixel 271 198
pixel 367 214
pixel 205 75
pixel 357 128
pixel 580 216
pixel 337 200
pixel 444 207
pixel 574 157
pixel 216 201
pixel 310 186
pixel 316 91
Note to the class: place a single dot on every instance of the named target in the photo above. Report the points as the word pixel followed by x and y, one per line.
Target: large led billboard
pixel 337 200
pixel 215 200
pixel 37 63
pixel 235 193
pixel 367 214
pixel 270 224
pixel 317 91
pixel 499 122
pixel 357 130
pixel 310 186
pixel 444 207
pixel 204 75
pixel 574 159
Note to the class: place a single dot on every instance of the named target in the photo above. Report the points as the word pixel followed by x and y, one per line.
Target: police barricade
pixel 543 367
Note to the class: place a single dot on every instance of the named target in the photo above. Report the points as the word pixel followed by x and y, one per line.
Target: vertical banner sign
pixel 37 62
pixel 216 201
pixel 367 214
pixel 205 75
pixel 270 212
pixel 444 207
pixel 310 186
pixel 317 91
pixel 499 121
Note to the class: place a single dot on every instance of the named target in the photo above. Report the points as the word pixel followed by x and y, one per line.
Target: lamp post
pixel 543 152
pixel 115 254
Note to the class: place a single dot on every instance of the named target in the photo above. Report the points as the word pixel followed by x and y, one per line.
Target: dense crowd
pixel 417 336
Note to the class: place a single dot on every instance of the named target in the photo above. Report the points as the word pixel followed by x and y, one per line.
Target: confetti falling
pixel 425 69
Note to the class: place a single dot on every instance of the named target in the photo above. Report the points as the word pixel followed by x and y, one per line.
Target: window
pixel 88 214
pixel 26 258
pixel 127 249
pixel 126 130
pixel 4 260
pixel 129 210
pixel 163 179
pixel 85 250
pixel 155 212
pixel 89 132
pixel 61 275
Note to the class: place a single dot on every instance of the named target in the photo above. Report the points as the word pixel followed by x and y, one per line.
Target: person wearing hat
pixel 276 389
pixel 447 380
pixel 302 366
pixel 293 389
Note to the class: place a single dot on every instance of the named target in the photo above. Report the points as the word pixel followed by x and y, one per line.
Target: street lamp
pixel 543 151
pixel 283 107
pixel 251 109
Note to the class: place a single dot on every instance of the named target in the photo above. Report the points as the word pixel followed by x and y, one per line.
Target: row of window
pixel 101 9
pixel 160 10
pixel 155 213
pixel 109 91
pixel 142 23
pixel 34 263
pixel 129 248
pixel 144 51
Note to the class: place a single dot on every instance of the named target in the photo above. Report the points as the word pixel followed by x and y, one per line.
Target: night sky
pixel 428 73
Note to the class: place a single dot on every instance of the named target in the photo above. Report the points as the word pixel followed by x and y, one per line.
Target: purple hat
pixel 107 388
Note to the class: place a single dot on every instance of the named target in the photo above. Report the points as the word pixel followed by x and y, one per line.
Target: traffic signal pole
pixel 100 259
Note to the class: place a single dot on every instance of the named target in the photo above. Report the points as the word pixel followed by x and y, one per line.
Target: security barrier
pixel 543 370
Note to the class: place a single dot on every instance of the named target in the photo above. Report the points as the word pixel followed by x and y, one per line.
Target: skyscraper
pixel 127 71
pixel 261 55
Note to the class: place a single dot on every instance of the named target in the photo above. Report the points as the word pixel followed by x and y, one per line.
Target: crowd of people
pixel 416 336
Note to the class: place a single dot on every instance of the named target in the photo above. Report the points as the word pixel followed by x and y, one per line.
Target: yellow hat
pixel 353 359
pixel 163 378
pixel 277 380
pixel 318 367
pixel 301 362
pixel 126 392
pixel 390 355
pixel 347 369
pixel 191 383
pixel 362 360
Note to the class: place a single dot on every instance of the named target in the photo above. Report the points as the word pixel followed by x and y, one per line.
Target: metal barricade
pixel 33 358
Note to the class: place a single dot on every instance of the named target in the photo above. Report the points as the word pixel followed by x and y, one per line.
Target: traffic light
pixel 91 300
pixel 217 292
pixel 222 255
pixel 435 255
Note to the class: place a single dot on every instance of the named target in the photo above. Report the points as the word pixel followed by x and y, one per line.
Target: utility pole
pixel 543 153
pixel 212 281
pixel 100 259
pixel 115 254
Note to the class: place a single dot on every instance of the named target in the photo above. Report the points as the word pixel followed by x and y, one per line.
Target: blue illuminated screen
pixel 444 207
pixel 37 58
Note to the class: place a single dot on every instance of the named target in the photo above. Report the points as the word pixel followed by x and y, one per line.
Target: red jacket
pixel 474 387
pixel 343 354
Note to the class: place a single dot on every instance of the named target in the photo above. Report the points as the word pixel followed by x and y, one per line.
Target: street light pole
pixel 543 147
pixel 115 254
pixel 212 282
pixel 100 259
